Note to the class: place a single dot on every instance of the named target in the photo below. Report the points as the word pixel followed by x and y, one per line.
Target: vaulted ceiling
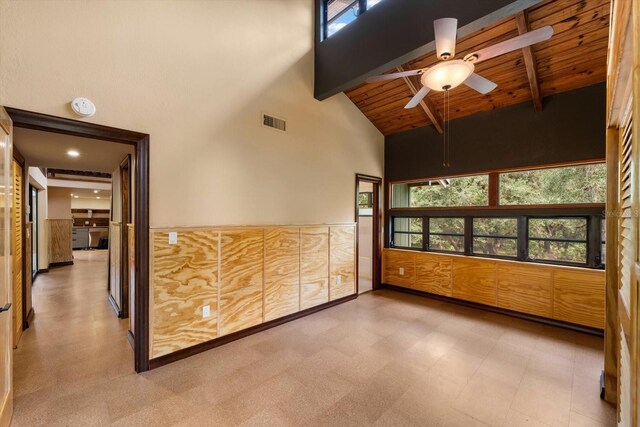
pixel 574 57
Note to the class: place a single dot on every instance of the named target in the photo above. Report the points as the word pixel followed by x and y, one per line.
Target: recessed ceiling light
pixel 95 191
pixel 75 197
pixel 98 197
pixel 73 153
pixel 72 194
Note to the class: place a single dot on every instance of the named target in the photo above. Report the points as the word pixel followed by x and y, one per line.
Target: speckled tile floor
pixel 385 359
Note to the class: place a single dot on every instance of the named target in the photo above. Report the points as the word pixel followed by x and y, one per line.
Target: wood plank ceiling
pixel 574 57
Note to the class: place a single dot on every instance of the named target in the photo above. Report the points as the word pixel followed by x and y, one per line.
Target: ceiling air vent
pixel 274 122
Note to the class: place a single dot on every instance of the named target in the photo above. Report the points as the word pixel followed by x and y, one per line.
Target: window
pixel 575 184
pixel 446 234
pixel 340 13
pixel 449 192
pixel 558 239
pixel 495 236
pixel 407 233
pixel 365 200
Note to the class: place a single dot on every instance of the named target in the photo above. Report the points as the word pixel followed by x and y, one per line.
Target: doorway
pixel 368 220
pixel 140 177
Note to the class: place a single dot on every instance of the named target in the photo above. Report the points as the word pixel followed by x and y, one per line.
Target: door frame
pixel 376 257
pixel 54 124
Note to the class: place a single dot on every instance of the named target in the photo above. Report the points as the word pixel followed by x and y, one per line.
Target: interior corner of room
pixel 364 212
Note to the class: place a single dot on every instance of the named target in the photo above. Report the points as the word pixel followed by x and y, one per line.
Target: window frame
pixel 586 241
pixel 516 238
pixel 325 22
pixel 428 233
pixel 493 190
pixel 408 233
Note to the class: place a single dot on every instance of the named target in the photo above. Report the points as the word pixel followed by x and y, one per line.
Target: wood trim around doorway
pixel 376 259
pixel 48 123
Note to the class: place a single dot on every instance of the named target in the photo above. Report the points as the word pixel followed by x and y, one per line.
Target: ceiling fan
pixel 448 74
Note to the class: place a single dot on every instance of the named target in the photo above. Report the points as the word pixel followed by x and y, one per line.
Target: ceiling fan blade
pixel 392 76
pixel 523 40
pixel 446 31
pixel 479 83
pixel 419 96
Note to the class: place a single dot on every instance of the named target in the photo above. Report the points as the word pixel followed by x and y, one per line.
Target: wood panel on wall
pixel 314 266
pixel 342 258
pixel 570 294
pixel 434 274
pixel 60 250
pixel 578 297
pixel 281 272
pixel 260 274
pixel 241 279
pixel 400 268
pixel 527 289
pixel 475 280
pixel 185 279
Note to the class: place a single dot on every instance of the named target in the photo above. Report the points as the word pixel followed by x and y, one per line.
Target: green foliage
pixel 562 185
pixel 462 191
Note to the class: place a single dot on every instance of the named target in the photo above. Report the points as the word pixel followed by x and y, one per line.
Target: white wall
pixel 58 203
pixel 196 76
pixel 39 180
pixel 83 203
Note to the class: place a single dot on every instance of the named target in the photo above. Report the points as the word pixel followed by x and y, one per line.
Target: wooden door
pixel 16 237
pixel 6 339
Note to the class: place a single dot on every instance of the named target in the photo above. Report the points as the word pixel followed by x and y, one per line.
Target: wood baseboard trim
pixel 59 264
pixel 115 306
pixel 216 342
pixel 531 317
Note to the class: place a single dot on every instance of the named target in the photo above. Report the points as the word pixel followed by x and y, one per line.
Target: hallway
pixel 74 343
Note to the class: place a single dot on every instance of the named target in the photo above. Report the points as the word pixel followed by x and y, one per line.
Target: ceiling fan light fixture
pixel 446 31
pixel 447 75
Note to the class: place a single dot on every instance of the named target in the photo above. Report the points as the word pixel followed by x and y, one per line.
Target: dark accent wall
pixel 385 33
pixel 570 128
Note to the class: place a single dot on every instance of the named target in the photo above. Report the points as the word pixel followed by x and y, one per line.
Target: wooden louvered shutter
pixel 17 250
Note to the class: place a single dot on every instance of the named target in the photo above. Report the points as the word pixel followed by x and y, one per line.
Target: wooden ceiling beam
pixel 530 62
pixel 426 104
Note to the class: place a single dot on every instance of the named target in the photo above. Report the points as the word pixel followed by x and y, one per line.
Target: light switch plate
pixel 206 311
pixel 173 237
pixel 338 280
pixel 402 271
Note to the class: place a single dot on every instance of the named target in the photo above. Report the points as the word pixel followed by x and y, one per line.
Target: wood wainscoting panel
pixel 475 280
pixel 241 279
pixel 281 272
pixel 433 274
pixel 342 261
pixel 394 261
pixel 528 289
pixel 314 266
pixel 185 279
pixel 579 296
pixel 60 232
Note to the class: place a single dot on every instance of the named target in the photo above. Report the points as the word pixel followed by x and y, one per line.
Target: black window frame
pixel 587 241
pixel 516 238
pixel 593 237
pixel 408 233
pixel 325 22
pixel 427 242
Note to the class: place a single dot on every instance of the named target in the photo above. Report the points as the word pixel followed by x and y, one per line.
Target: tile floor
pixel 385 359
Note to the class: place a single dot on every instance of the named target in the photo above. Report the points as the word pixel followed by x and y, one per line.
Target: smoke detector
pixel 83 107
